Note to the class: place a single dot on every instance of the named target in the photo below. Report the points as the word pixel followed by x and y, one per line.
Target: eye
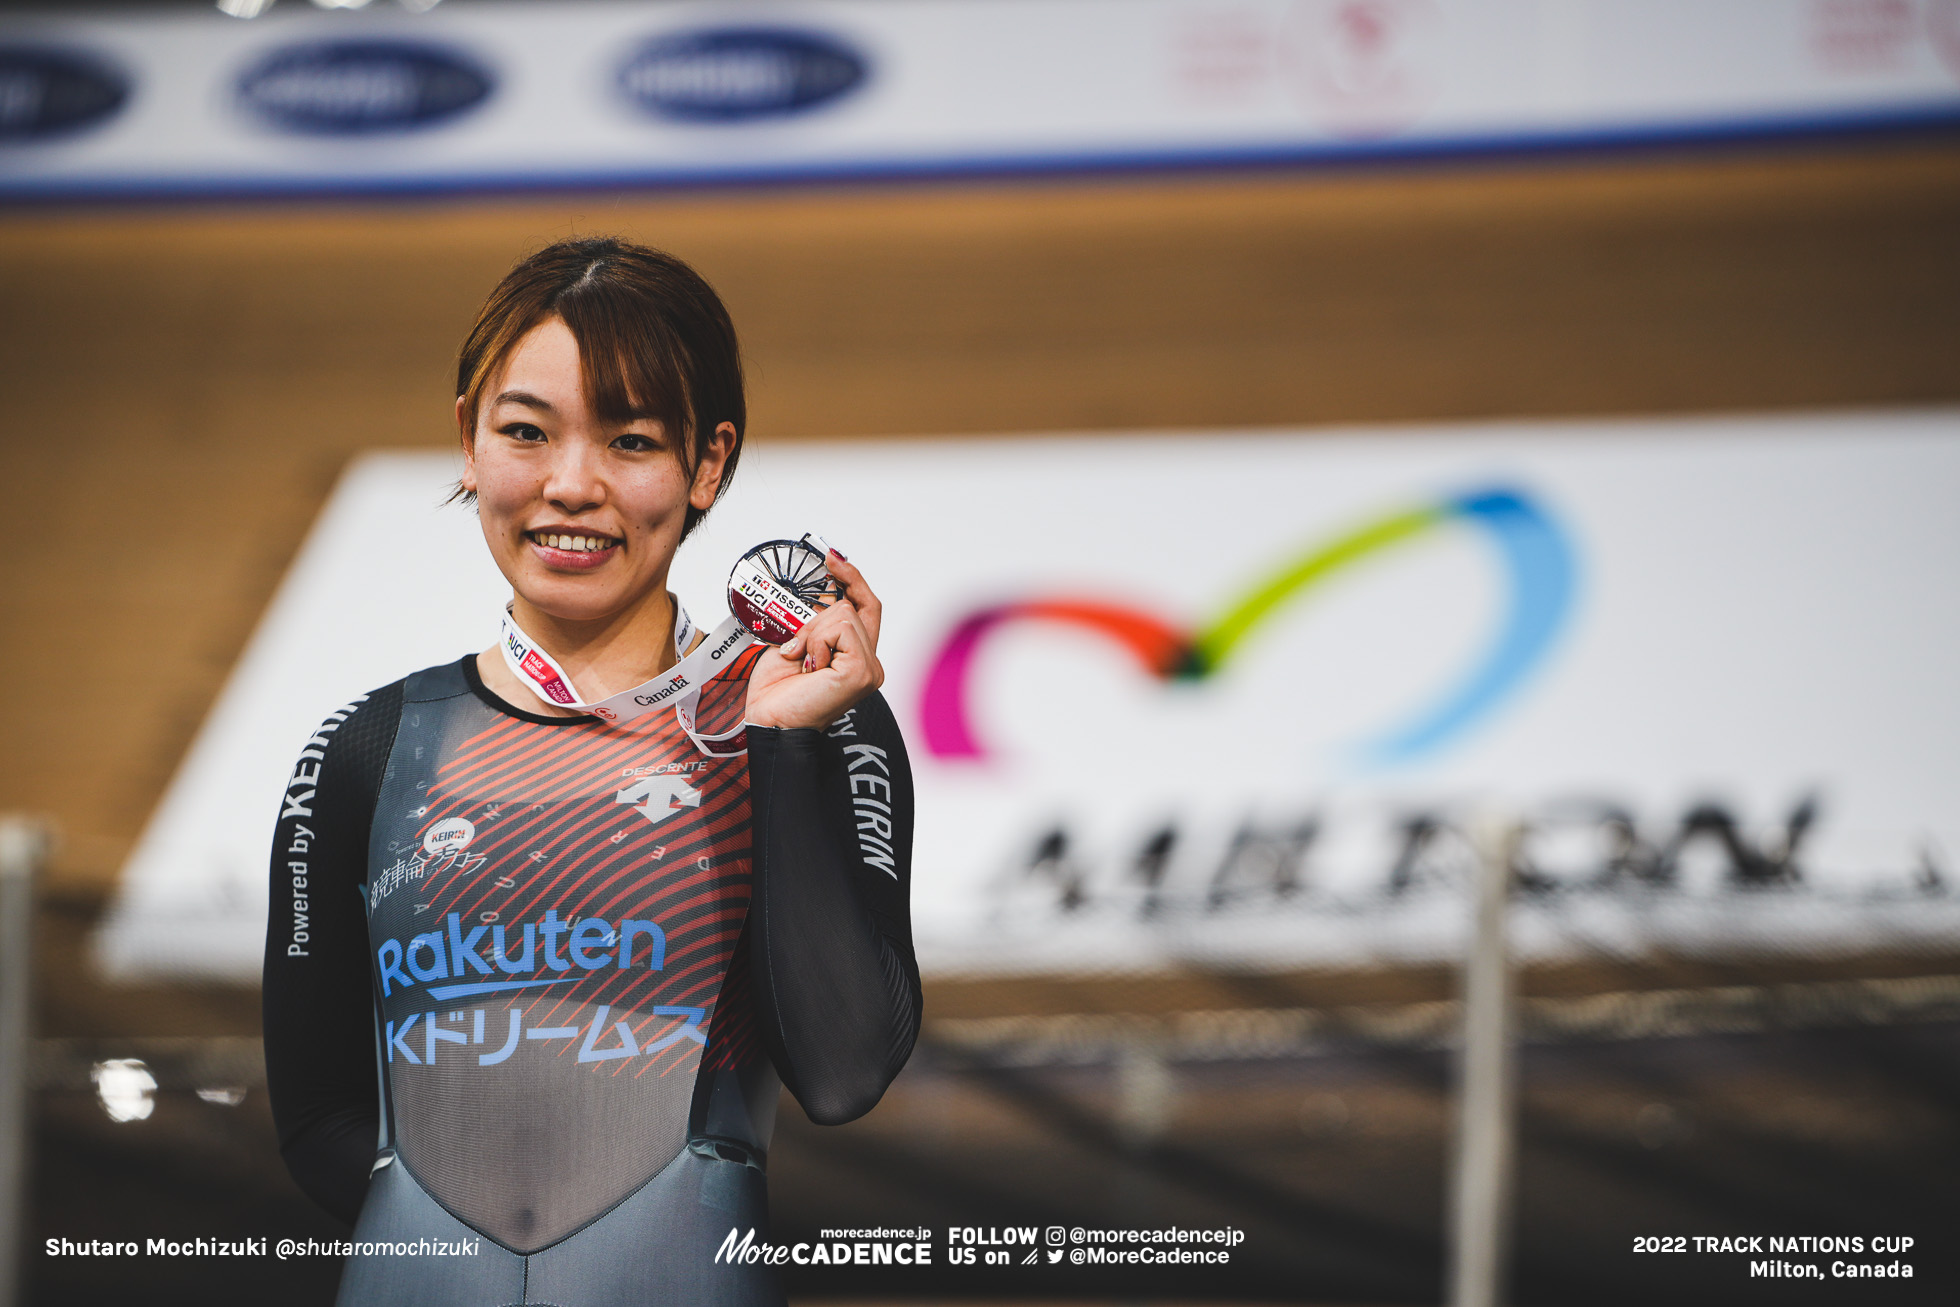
pixel 522 431
pixel 635 443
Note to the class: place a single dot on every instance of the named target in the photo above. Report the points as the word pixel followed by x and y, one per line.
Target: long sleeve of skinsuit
pixel 318 1005
pixel 836 983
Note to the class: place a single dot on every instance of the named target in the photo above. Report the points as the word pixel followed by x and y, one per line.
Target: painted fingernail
pixel 841 554
pixel 809 665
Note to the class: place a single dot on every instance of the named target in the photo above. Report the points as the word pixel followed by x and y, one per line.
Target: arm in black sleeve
pixel 837 986
pixel 318 1000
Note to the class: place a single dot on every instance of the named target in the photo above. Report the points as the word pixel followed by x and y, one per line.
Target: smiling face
pixel 581 513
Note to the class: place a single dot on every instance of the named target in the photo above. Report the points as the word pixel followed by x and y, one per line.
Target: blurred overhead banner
pixel 573 94
pixel 1225 700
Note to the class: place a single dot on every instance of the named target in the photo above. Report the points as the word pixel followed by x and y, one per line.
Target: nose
pixel 575 480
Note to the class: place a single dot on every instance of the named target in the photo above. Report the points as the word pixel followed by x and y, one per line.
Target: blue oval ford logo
pixel 52 92
pixel 734 74
pixel 354 88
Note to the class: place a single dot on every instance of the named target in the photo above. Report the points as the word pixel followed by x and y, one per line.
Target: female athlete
pixel 561 961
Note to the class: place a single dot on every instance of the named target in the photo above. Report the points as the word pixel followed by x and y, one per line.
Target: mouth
pixel 573 546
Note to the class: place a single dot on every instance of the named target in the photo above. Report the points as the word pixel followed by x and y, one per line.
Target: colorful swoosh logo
pixel 1537 558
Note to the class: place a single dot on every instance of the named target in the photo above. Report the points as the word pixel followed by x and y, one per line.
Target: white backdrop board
pixel 1192 697
pixel 577 93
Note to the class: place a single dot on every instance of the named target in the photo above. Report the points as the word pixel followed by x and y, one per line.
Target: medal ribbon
pixel 679 685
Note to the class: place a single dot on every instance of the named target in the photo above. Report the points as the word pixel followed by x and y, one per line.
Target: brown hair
pixel 654 340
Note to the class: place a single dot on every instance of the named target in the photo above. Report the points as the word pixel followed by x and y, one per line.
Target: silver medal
pixel 779 585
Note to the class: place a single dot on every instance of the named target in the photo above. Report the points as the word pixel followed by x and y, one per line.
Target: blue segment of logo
pixel 1539 562
pixel 46 93
pixel 360 88
pixel 739 74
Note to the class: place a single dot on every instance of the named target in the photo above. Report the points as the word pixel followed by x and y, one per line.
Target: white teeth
pixel 574 544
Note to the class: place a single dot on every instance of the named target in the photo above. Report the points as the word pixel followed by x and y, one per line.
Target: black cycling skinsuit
pixel 555 967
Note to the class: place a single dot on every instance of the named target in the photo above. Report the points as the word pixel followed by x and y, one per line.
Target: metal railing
pixel 23 845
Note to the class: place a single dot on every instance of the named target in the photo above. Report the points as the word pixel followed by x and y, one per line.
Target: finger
pixel 828 620
pixel 855 660
pixel 796 643
pixel 858 592
pixel 828 641
pixel 850 651
pixel 820 642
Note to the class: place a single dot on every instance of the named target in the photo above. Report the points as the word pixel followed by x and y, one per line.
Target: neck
pixel 602 656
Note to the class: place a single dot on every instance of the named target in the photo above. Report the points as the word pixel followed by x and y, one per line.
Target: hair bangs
pixel 632 366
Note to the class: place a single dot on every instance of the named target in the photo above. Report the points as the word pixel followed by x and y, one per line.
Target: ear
pixel 468 437
pixel 707 473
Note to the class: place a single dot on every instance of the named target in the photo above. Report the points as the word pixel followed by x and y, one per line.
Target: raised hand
pixel 828 666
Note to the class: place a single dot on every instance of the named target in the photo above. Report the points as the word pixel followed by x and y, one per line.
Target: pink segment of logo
pixel 1160 648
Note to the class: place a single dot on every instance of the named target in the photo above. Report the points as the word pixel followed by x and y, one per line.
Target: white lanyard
pixel 680 685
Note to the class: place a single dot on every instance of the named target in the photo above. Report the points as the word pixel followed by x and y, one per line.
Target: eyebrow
pixel 542 405
pixel 526 398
